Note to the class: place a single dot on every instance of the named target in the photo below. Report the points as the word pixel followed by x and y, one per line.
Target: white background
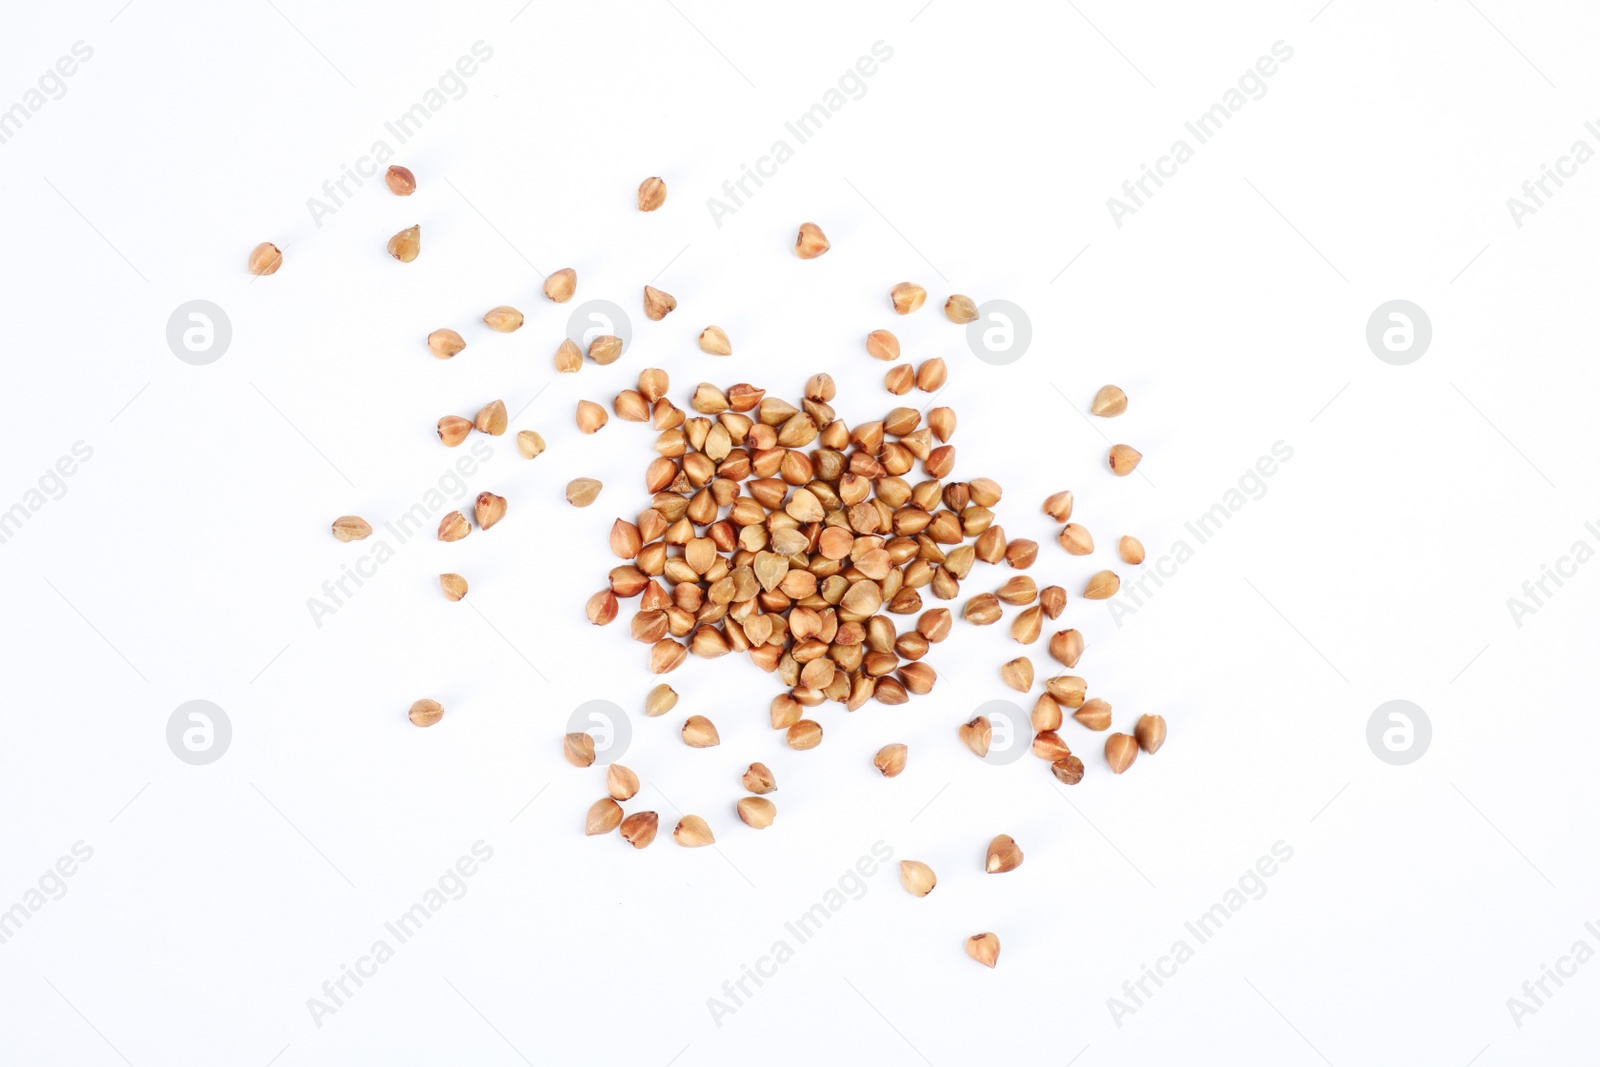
pixel 1232 308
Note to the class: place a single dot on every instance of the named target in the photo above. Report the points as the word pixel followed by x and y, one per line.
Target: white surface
pixel 1418 898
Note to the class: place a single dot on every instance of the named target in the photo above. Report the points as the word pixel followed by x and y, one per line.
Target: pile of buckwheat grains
pixel 777 530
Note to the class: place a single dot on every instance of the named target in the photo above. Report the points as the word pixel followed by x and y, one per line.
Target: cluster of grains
pixel 778 531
